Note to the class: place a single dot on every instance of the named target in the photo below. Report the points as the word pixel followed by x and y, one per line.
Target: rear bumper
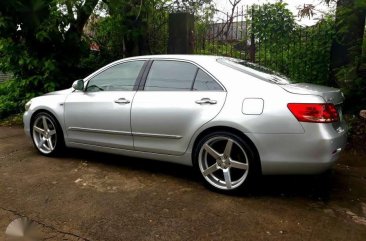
pixel 313 152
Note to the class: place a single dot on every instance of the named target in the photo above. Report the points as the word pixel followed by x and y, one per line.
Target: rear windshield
pixel 254 70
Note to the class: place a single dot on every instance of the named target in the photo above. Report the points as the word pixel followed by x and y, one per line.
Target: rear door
pixel 178 98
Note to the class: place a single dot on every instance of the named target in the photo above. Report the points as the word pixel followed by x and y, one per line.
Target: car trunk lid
pixel 330 95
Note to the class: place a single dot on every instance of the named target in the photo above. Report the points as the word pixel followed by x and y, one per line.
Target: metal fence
pixel 303 55
pixel 228 37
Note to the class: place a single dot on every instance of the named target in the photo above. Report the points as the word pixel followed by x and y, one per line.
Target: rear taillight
pixel 318 113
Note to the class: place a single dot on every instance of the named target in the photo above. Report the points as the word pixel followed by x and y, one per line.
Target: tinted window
pixel 204 82
pixel 255 70
pixel 117 78
pixel 170 75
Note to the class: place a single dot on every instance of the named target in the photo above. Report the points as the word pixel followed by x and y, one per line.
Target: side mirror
pixel 78 85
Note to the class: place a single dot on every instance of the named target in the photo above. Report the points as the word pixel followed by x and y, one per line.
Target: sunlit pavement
pixel 93 196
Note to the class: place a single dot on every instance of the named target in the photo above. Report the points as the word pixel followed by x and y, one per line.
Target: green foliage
pixel 134 27
pixel 221 49
pixel 13 120
pixel 301 53
pixel 41 47
pixel 348 62
pixel 353 86
pixel 192 6
pixel 271 20
pixel 123 32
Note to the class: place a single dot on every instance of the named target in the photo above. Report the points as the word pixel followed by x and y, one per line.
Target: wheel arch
pixel 35 113
pixel 231 130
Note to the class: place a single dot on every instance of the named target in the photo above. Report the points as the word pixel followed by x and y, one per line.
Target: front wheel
pixel 225 161
pixel 46 134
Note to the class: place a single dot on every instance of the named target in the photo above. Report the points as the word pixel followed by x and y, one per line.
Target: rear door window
pixel 204 82
pixel 168 75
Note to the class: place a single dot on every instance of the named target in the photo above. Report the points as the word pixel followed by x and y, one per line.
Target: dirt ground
pixel 92 196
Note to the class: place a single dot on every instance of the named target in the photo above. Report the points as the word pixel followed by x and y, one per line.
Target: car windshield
pixel 255 70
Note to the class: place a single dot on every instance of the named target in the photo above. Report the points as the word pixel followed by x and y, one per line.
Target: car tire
pixel 47 135
pixel 225 162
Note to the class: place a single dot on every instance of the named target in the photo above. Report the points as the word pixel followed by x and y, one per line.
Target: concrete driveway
pixel 91 196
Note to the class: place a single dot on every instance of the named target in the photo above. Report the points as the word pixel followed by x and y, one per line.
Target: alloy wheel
pixel 44 134
pixel 223 163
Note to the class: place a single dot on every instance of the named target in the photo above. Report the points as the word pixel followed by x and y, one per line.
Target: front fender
pixel 54 104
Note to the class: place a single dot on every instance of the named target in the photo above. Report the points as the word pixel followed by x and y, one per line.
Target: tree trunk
pixel 181 29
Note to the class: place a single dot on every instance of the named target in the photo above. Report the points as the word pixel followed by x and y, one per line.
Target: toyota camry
pixel 229 119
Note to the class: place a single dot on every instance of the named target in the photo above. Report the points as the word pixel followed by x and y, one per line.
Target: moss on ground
pixel 13 120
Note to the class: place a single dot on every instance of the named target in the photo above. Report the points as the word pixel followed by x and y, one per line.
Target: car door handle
pixel 122 101
pixel 206 101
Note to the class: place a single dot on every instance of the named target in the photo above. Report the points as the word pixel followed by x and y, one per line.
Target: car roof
pixel 190 57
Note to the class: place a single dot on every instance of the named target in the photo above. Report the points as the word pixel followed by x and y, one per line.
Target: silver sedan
pixel 230 119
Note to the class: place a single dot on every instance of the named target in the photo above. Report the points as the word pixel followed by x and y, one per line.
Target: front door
pixel 177 99
pixel 100 115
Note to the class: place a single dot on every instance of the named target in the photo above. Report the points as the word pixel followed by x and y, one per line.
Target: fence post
pixel 252 40
pixel 181 33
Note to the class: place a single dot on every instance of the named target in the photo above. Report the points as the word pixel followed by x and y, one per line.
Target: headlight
pixel 28 104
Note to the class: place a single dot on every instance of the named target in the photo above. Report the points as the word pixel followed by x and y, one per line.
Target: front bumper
pixel 26 122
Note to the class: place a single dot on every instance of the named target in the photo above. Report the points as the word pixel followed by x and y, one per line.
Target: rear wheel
pixel 225 161
pixel 46 134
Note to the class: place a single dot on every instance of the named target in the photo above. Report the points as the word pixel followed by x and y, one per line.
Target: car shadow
pixel 132 163
pixel 314 187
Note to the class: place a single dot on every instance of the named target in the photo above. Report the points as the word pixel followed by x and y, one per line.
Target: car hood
pixel 61 92
pixel 331 95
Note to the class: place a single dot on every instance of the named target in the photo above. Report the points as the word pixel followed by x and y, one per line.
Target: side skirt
pixel 184 159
